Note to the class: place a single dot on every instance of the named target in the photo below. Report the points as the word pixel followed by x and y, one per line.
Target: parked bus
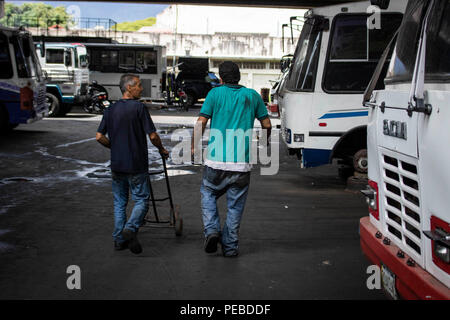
pixel 108 62
pixel 320 101
pixel 407 232
pixel 22 86
pixel 67 71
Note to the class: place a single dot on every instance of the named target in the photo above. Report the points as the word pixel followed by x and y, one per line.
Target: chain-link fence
pixel 99 27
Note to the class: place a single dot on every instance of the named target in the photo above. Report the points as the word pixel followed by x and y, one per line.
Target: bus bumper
pixel 411 282
pixel 39 116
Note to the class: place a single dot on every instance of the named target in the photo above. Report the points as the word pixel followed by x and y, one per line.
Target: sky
pixel 118 12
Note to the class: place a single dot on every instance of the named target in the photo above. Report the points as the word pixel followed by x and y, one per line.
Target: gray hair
pixel 127 80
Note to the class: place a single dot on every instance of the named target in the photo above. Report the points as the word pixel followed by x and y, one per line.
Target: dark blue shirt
pixel 127 123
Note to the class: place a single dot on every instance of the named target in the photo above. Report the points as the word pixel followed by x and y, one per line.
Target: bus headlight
pixel 440 241
pixel 442 252
pixel 288 135
pixel 371 194
pixel 299 137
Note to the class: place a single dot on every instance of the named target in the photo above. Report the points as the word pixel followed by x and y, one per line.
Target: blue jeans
pixel 215 183
pixel 122 184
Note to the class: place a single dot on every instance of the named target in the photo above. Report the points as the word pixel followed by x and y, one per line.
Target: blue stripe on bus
pixel 345 114
pixel 11 100
pixel 9 96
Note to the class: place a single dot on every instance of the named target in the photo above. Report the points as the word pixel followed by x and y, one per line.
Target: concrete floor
pixel 299 235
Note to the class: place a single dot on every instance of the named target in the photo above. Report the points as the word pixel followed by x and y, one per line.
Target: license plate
pixel 388 281
pixel 106 104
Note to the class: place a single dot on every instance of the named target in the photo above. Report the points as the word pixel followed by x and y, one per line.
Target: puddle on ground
pixel 98 172
pixel 5 231
pixel 6 247
pixel 18 179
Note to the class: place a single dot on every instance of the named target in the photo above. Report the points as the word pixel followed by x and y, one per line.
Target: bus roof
pixel 354 7
pixel 64 45
pixel 121 45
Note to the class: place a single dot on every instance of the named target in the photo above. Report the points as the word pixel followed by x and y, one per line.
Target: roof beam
pixel 299 4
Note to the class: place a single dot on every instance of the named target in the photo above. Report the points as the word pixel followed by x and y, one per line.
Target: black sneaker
pixel 118 246
pixel 230 254
pixel 133 243
pixel 211 242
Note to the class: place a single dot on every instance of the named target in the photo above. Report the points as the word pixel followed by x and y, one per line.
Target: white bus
pixel 109 61
pixel 22 85
pixel 320 102
pixel 67 71
pixel 407 232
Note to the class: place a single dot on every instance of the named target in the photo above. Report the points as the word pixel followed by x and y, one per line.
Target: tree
pixel 35 15
pixel 135 25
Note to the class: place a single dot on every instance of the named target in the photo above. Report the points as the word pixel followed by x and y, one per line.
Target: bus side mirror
pixel 42 48
pixel 67 58
pixel 285 64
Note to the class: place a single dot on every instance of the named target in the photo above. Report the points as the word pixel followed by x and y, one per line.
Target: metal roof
pixel 257 3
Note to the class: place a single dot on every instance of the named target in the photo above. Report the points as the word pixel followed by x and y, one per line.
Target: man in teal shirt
pixel 232 109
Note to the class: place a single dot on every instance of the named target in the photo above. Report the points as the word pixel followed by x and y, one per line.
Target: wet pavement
pixel 298 239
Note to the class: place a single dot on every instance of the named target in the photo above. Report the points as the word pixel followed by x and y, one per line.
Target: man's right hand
pixel 164 153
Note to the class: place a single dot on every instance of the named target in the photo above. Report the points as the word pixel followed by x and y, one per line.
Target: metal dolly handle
pixel 175 219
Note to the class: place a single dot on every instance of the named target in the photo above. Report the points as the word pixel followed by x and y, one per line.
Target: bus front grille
pixel 401 203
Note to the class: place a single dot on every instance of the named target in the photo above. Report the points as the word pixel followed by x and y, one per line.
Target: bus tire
pixel 191 99
pixel 345 172
pixel 360 161
pixel 54 105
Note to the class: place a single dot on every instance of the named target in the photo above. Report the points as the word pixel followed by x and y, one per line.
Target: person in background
pixel 231 108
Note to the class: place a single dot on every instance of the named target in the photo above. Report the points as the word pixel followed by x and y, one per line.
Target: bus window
pixel 127 61
pixel 23 69
pixel 81 53
pixel 6 69
pixel 55 56
pixel 355 50
pixel 109 61
pixel 304 67
pixel 349 38
pixel 146 62
pixel 437 61
pixel 404 57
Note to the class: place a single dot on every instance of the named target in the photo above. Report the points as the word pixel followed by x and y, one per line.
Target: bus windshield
pixel 6 69
pixel 304 67
pixel 26 60
pixel 82 57
pixel 437 65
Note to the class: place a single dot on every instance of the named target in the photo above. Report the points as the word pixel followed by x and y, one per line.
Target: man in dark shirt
pixel 127 123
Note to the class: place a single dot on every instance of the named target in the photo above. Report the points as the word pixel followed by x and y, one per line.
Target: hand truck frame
pixel 175 220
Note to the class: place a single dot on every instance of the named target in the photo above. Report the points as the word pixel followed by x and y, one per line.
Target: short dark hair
pixel 126 80
pixel 229 72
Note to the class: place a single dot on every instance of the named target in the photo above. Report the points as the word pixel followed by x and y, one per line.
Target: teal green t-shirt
pixel 232 110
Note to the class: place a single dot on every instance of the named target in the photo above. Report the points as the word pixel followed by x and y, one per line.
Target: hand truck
pixel 175 219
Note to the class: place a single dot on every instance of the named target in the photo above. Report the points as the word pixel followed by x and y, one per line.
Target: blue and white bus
pixel 322 117
pixel 22 86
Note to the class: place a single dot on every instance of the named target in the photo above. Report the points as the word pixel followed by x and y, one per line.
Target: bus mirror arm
pixel 377 72
pixel 420 106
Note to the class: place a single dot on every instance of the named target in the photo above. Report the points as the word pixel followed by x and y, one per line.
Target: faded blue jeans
pixel 139 186
pixel 215 183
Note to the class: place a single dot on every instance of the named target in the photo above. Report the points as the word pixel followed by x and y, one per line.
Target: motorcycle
pixel 97 99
